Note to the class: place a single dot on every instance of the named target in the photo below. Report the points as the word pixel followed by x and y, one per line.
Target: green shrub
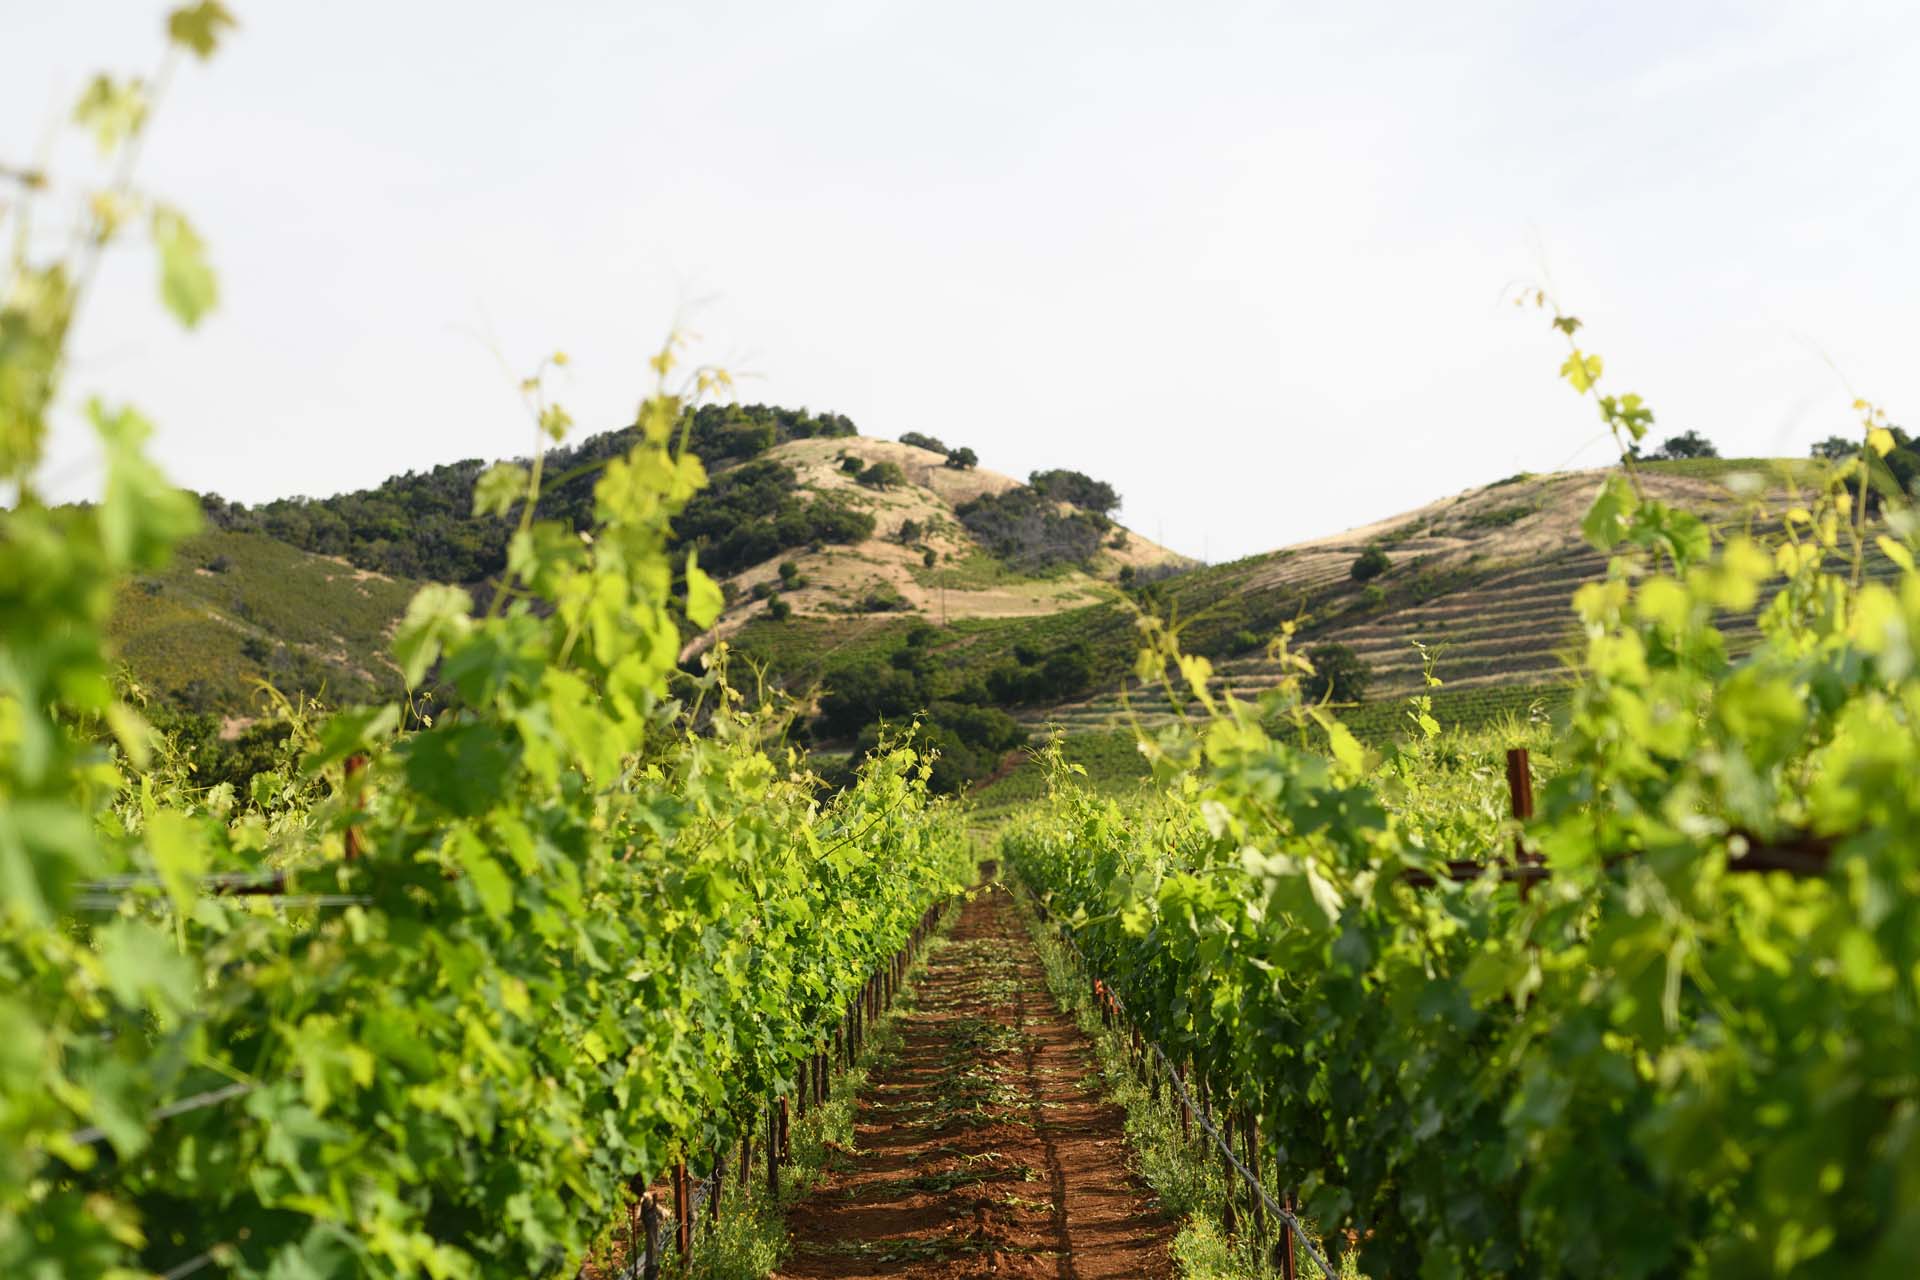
pixel 1371 563
pixel 882 475
pixel 1688 444
pixel 755 511
pixel 1036 675
pixel 1027 530
pixel 1338 674
pixel 1081 490
pixel 885 599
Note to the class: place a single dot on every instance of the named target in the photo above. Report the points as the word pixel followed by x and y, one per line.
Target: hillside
pixel 878 581
pixel 801 515
pixel 891 571
pixel 1484 579
pixel 238 609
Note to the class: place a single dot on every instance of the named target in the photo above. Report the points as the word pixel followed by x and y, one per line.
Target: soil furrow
pixel 984 1146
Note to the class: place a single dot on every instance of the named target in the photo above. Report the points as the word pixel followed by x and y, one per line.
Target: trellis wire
pixel 189 1267
pixel 1206 1125
pixel 1284 1215
pixel 198 1102
pixel 111 902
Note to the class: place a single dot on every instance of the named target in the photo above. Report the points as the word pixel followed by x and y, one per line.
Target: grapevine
pixel 1648 1065
pixel 518 956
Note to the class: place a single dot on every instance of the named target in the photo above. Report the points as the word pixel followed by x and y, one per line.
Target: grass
pixel 1799 469
pixel 1184 1172
pixel 981 571
pixel 237 608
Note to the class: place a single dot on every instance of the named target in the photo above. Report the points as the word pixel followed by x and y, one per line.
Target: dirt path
pixel 984 1146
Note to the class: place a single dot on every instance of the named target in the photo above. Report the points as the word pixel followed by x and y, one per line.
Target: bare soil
pixel 984 1146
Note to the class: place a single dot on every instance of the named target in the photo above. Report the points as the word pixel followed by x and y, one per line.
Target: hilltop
pixel 921 557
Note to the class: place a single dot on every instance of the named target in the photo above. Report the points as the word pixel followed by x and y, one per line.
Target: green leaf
pixel 1627 413
pixel 142 517
pixel 499 488
pixel 1325 895
pixel 198 27
pixel 179 851
pixel 704 601
pixel 490 881
pixel 187 283
pixel 437 614
pixel 462 768
pixel 112 111
pixel 143 969
pixel 1607 520
pixel 1582 371
pixel 44 848
pixel 351 732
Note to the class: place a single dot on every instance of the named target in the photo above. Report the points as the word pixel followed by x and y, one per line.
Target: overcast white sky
pixel 1245 261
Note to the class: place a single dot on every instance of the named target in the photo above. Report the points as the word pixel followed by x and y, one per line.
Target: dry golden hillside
pixel 886 574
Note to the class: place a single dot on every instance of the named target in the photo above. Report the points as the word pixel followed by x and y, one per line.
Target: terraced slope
pixel 1484 579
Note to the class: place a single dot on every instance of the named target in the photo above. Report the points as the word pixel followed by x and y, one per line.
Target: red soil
pixel 983 1147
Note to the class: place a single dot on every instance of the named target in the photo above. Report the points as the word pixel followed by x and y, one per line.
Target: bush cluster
pixel 1082 491
pixel 920 441
pixel 755 511
pixel 422 524
pixel 972 737
pixel 1027 530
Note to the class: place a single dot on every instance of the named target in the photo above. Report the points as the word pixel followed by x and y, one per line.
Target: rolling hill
pixel 876 579
pixel 236 610
pixel 304 593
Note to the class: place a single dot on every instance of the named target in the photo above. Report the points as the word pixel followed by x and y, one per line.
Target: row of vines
pixel 1647 1060
pixel 443 992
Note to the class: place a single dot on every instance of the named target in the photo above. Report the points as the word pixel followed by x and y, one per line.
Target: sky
pixel 1249 263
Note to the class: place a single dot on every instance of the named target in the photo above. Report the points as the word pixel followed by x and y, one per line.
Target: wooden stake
pixel 773 1155
pixel 355 765
pixel 682 1211
pixel 1186 1112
